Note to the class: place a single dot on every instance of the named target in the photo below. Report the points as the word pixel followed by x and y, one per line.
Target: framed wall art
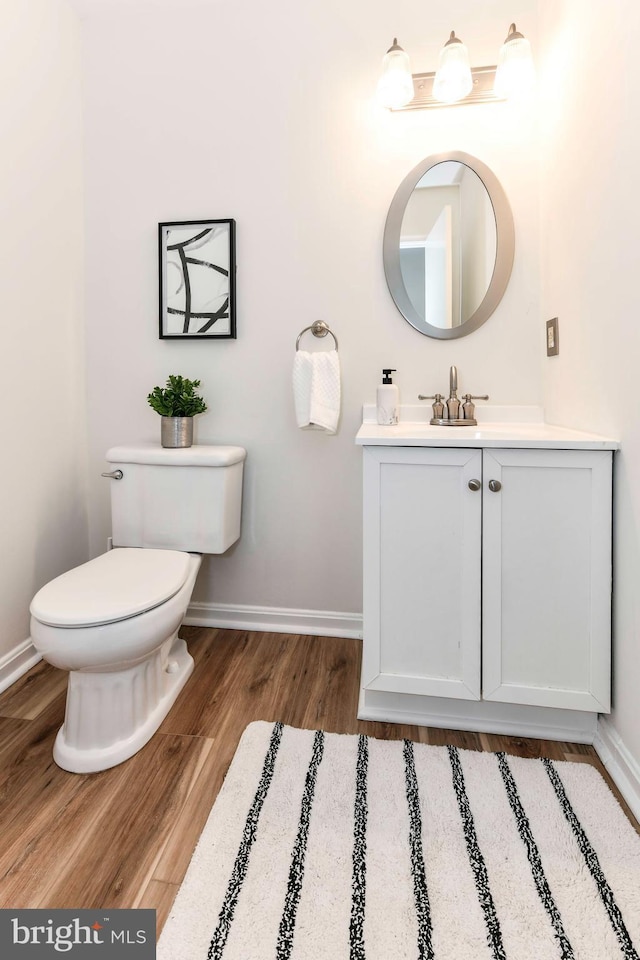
pixel 197 279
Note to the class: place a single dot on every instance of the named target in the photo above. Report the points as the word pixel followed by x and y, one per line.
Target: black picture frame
pixel 197 273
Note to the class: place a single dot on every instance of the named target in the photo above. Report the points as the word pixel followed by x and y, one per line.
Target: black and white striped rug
pixel 349 848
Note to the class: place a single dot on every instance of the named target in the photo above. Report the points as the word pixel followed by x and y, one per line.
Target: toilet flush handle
pixel 114 475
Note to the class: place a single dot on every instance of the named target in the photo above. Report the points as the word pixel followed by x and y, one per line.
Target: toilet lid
pixel 121 583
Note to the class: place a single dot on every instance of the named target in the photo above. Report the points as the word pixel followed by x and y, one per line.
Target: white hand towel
pixel 316 389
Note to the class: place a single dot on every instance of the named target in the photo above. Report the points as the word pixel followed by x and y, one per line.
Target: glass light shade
pixel 453 79
pixel 515 74
pixel 395 86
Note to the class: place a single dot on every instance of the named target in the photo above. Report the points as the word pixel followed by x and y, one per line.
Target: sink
pixel 410 433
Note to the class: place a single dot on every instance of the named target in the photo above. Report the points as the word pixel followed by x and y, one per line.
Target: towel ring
pixel 318 329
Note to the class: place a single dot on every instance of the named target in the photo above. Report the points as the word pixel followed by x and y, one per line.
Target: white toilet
pixel 113 622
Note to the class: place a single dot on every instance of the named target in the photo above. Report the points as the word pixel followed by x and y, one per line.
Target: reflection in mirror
pixel 448 247
pixel 448 222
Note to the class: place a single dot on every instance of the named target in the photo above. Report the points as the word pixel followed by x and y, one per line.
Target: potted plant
pixel 177 403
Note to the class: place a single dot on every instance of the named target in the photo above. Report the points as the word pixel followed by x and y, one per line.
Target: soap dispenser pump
pixel 387 399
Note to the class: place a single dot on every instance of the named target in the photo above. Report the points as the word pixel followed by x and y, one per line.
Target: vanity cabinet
pixel 487 575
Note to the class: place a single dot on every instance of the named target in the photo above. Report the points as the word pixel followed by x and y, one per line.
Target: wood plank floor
pixel 124 837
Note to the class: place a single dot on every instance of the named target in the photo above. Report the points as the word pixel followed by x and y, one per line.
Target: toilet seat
pixel 117 585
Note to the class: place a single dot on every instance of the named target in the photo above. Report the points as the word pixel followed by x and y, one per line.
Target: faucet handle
pixel 469 409
pixel 438 405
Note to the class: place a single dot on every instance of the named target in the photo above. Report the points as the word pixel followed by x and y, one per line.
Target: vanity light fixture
pixel 455 82
pixel 515 74
pixel 395 86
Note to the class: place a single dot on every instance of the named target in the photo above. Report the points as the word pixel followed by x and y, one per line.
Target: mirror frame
pixel 505 247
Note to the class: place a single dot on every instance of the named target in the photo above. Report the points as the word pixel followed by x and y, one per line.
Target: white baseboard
pixel 621 765
pixel 317 623
pixel 16 663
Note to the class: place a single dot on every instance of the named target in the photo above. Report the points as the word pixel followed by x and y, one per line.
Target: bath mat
pixel 348 848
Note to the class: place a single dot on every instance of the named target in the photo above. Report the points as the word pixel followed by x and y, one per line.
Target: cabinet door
pixel 547 578
pixel 422 528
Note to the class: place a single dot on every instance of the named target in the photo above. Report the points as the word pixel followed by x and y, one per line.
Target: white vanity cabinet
pixel 487 577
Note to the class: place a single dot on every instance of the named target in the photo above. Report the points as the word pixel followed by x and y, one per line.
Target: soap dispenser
pixel 387 399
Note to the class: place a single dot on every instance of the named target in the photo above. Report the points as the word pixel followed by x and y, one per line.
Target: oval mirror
pixel 448 245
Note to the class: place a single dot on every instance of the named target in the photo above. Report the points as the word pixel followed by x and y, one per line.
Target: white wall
pixel 265 113
pixel 43 525
pixel 590 141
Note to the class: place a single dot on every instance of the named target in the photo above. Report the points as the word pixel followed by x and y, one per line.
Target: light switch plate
pixel 552 338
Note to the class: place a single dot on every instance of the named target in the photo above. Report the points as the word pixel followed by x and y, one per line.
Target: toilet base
pixel 111 715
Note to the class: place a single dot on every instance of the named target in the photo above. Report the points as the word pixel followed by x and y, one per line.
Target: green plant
pixel 177 399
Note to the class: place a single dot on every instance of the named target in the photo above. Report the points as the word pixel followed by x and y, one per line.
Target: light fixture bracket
pixel 482 91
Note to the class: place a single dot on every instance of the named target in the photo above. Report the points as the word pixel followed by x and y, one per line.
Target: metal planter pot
pixel 176 431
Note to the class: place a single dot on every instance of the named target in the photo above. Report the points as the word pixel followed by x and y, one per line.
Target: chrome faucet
pixel 453 413
pixel 453 404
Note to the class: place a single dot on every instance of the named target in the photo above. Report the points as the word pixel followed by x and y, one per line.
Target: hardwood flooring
pixel 124 837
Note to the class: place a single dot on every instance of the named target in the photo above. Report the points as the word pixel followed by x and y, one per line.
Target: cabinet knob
pixel 474 484
pixel 494 486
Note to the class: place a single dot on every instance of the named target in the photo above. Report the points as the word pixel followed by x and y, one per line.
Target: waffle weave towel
pixel 316 389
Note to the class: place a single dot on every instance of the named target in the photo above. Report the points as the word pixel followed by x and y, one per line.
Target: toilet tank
pixel 176 499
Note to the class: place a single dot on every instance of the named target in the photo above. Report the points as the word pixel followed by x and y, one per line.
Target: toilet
pixel 113 622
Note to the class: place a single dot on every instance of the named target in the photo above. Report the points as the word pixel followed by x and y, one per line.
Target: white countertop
pixel 412 433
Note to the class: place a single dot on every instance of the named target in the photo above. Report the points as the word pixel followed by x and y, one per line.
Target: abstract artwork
pixel 197 279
